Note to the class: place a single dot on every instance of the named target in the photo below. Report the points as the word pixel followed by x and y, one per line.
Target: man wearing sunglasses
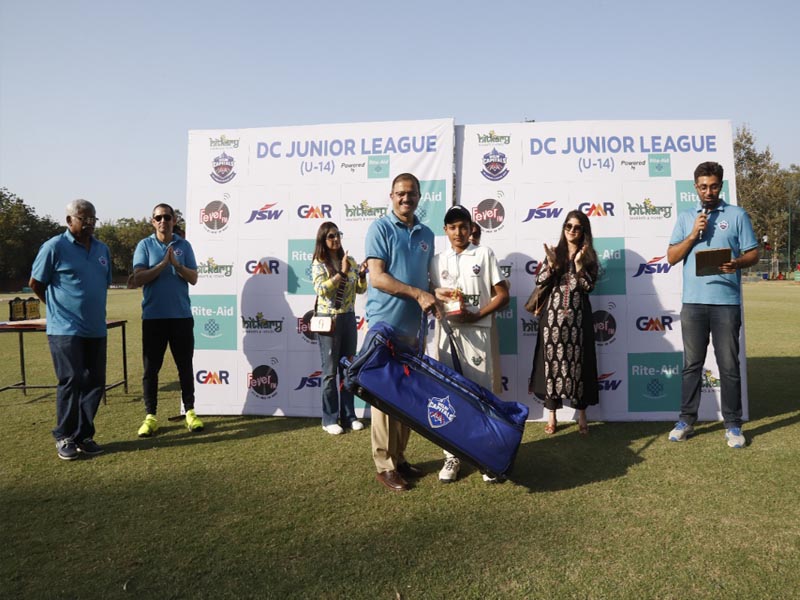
pixel 71 275
pixel 165 265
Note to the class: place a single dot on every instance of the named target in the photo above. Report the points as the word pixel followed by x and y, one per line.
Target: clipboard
pixel 708 262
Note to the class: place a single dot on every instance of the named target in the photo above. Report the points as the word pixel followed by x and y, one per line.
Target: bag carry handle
pixel 443 323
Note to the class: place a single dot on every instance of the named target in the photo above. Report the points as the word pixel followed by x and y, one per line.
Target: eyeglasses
pixel 334 236
pixel 714 188
pixel 570 227
pixel 158 218
pixel 87 220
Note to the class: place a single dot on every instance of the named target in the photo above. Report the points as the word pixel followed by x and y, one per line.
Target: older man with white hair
pixel 71 275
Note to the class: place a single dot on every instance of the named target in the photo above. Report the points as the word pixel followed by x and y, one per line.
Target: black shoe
pixel 89 447
pixel 406 469
pixel 67 450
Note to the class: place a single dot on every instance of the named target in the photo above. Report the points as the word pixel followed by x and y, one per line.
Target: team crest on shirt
pixel 723 225
pixel 440 412
pixel 102 260
pixel 178 252
pixel 423 245
pixel 477 360
pixel 476 269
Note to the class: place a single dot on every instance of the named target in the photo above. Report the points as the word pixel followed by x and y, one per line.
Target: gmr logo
pixel 654 323
pixel 532 267
pixel 265 266
pixel 606 384
pixel 313 380
pixel 653 266
pixel 304 211
pixel 543 211
pixel 265 213
pixel 606 209
pixel 210 377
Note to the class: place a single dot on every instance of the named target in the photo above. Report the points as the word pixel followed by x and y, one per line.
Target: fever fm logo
pixel 660 324
pixel 263 381
pixel 489 214
pixel 494 165
pixel 223 168
pixel 265 213
pixel 216 215
pixel 204 377
pixel 303 328
pixel 605 326
pixel 654 266
pixel 306 211
pixel 543 211
pixel 606 209
pixel 314 380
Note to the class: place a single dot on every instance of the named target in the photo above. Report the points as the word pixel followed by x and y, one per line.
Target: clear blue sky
pixel 97 97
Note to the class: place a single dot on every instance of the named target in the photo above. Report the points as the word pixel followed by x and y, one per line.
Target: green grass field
pixel 275 508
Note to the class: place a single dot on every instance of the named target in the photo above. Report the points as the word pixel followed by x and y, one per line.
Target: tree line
pixel 769 193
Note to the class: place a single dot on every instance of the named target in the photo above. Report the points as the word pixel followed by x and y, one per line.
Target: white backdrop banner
pixel 255 200
pixel 630 178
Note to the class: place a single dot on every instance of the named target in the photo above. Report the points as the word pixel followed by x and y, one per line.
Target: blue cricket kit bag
pixel 435 401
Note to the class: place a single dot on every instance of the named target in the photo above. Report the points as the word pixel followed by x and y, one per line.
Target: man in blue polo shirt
pixel 165 265
pixel 71 275
pixel 399 250
pixel 712 303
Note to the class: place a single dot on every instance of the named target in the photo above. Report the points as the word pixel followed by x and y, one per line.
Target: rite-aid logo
pixel 604 209
pixel 263 381
pixel 489 214
pixel 216 216
pixel 223 168
pixel 204 377
pixel 263 266
pixel 265 213
pixel 655 266
pixel 494 165
pixel 605 327
pixel 606 382
pixel 306 211
pixel 440 412
pixel 314 380
pixel 654 378
pixel 543 211
pixel 661 324
pixel 258 324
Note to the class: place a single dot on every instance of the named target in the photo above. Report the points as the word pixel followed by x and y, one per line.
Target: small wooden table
pixel 39 325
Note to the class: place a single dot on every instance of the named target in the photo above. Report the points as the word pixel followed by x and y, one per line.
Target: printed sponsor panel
pixel 686 198
pixel 215 321
pixel 262 268
pixel 602 202
pixel 264 212
pixel 264 322
pixel 312 205
pixel 609 316
pixel 649 208
pixel 541 211
pixel 653 323
pixel 305 384
pixel 264 379
pixel 216 267
pixel 212 215
pixel 488 153
pixel 647 271
pixel 361 205
pixel 509 382
pixel 654 382
pixel 216 383
pixel 493 208
pixel 611 278
pixel 612 383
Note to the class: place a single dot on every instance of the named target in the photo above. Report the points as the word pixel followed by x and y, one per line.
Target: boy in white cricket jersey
pixel 471 277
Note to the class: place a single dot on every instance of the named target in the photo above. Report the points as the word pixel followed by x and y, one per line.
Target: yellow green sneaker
pixel 193 422
pixel 149 427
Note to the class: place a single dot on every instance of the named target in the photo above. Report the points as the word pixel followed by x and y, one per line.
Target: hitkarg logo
pixel 654 266
pixel 543 211
pixel 314 380
pixel 606 209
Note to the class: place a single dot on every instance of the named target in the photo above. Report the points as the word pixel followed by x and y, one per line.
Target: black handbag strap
pixel 450 337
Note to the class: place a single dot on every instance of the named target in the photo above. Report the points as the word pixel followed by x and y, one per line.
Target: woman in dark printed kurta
pixel 564 363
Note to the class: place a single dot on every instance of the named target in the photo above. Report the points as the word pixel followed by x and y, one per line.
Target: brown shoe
pixel 392 480
pixel 406 469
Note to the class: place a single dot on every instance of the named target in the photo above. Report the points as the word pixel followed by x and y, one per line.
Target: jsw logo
pixel 606 209
pixel 606 384
pixel 265 213
pixel 210 377
pixel 543 211
pixel 262 267
pixel 654 323
pixel 304 211
pixel 653 266
pixel 313 380
pixel 361 323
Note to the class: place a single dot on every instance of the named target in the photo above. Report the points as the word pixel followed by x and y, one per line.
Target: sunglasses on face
pixel 570 227
pixel 334 236
pixel 158 218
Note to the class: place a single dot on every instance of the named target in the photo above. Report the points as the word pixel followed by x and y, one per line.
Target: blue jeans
pixel 80 365
pixel 337 405
pixel 723 322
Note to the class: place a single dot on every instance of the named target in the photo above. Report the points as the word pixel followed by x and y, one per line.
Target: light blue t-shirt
pixel 167 296
pixel 728 227
pixel 407 254
pixel 77 283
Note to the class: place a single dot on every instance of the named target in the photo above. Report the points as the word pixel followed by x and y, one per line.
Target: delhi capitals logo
pixel 178 252
pixel 423 245
pixel 494 165
pixel 223 169
pixel 440 412
pixel 102 260
pixel 476 269
pixel 723 225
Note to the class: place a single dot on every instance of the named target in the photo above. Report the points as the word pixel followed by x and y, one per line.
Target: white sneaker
pixel 735 437
pixel 449 471
pixel 489 479
pixel 356 425
pixel 681 432
pixel 334 429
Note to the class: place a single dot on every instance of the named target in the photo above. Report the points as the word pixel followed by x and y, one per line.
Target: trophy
pixel 455 305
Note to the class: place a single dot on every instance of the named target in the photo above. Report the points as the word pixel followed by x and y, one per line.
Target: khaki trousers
pixel 389 441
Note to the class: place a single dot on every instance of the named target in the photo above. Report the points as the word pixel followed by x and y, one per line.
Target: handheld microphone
pixel 706 210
